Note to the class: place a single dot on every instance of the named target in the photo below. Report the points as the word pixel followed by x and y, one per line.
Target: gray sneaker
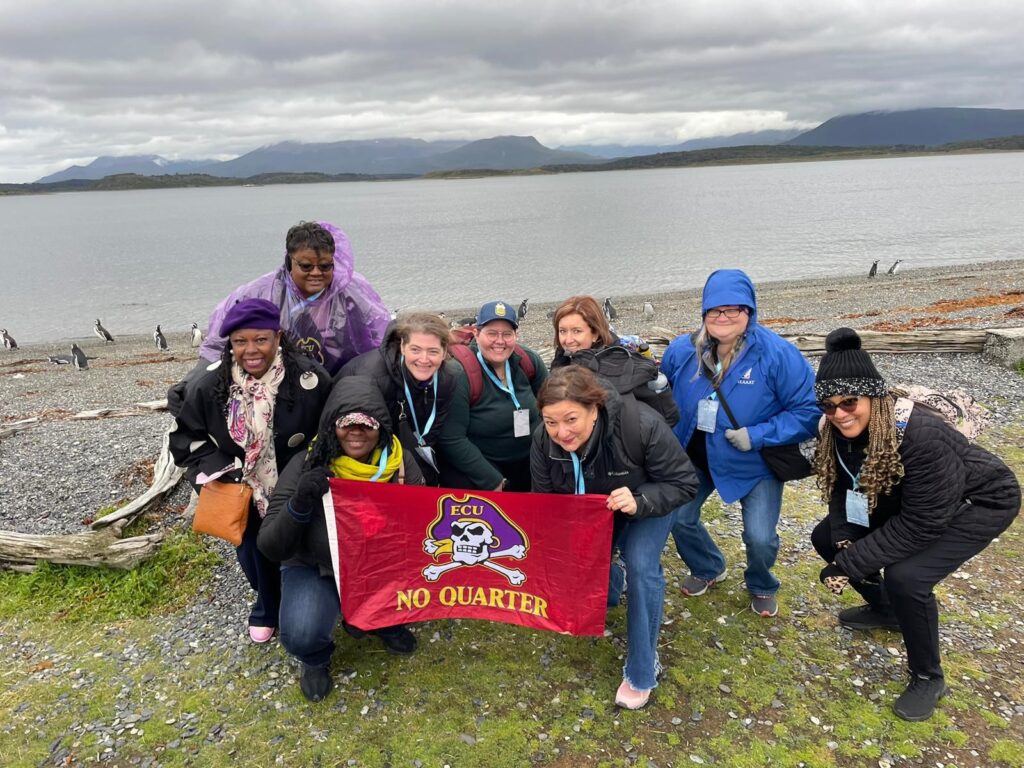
pixel 765 606
pixel 695 586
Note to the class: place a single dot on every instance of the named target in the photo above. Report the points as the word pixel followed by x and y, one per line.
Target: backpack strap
pixel 467 359
pixel 631 438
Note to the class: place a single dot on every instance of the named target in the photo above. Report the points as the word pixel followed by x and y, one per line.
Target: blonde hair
pixel 707 354
pixel 882 469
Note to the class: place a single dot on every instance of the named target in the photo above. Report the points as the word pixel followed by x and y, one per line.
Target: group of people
pixel 305 377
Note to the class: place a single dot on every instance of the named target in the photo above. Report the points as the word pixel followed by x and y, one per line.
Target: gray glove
pixel 739 438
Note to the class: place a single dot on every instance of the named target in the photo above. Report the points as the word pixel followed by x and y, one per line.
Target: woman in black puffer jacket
pixel 906 494
pixel 595 442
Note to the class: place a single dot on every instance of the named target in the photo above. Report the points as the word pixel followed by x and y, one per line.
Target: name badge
pixel 427 454
pixel 521 423
pixel 707 415
pixel 857 508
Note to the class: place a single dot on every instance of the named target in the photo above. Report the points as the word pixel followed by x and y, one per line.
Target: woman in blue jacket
pixel 769 387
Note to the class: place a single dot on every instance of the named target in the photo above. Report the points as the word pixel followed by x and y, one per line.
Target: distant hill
pixel 505 153
pixel 143 165
pixel 612 151
pixel 926 127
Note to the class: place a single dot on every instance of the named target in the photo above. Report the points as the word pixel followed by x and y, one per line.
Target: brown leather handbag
pixel 223 510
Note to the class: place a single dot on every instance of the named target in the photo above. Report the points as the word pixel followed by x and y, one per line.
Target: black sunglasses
pixel 307 268
pixel 849 405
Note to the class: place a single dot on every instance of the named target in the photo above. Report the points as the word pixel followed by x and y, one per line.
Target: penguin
pixel 609 309
pixel 78 358
pixel 197 335
pixel 394 314
pixel 9 342
pixel 102 332
pixel 59 359
pixel 464 322
pixel 648 310
pixel 874 268
pixel 894 267
pixel 523 309
pixel 159 340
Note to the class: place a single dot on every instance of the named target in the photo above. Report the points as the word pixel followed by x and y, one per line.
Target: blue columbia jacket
pixel 769 387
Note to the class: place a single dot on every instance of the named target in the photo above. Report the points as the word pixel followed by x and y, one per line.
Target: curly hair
pixel 882 468
pixel 292 372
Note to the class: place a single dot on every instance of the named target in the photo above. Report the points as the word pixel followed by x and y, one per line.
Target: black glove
pixel 311 487
pixel 832 576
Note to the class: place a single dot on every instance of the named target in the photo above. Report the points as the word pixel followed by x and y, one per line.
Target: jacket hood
pixel 729 286
pixel 353 394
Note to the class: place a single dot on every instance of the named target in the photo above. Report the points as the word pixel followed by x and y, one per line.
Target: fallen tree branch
pixel 95 548
pixel 18 426
pixel 165 476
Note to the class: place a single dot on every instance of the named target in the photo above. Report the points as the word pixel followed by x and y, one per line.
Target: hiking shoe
pixel 918 701
pixel 868 617
pixel 695 586
pixel 261 634
pixel 629 697
pixel 315 682
pixel 397 639
pixel 355 632
pixel 765 606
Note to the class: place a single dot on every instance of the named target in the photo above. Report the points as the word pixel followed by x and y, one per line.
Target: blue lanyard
pixel 412 408
pixel 718 370
pixel 855 479
pixel 508 377
pixel 577 471
pixel 380 465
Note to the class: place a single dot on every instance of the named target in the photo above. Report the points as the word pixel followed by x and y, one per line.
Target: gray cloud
pixel 195 79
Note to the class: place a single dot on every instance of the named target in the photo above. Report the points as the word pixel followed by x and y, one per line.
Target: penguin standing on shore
pixel 9 342
pixel 78 358
pixel 894 267
pixel 523 309
pixel 648 310
pixel 197 335
pixel 159 339
pixel 609 309
pixel 874 268
pixel 102 332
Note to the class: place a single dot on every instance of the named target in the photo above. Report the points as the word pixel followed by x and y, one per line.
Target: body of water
pixel 140 258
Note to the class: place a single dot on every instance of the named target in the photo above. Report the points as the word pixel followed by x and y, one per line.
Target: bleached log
pixel 14 427
pixel 92 548
pixel 165 476
pixel 945 340
pixel 154 405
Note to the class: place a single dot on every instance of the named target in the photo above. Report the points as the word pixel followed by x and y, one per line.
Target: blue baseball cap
pixel 496 310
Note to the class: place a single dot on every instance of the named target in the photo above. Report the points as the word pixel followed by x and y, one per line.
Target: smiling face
pixel 849 423
pixel 357 440
pixel 254 349
pixel 496 341
pixel 574 334
pixel 311 271
pixel 568 423
pixel 726 329
pixel 423 354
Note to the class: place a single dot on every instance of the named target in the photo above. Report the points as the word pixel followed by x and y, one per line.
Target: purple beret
pixel 251 313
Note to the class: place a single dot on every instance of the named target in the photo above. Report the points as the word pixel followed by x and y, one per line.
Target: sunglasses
pixel 849 405
pixel 307 268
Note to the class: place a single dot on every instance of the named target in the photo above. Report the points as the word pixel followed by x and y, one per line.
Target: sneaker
pixel 315 682
pixel 695 586
pixel 918 701
pixel 868 617
pixel 261 634
pixel 629 697
pixel 765 606
pixel 397 640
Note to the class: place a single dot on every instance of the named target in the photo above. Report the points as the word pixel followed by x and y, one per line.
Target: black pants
pixel 906 589
pixel 263 575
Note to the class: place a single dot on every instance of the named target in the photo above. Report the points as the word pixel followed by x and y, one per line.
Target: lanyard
pixel 380 465
pixel 577 472
pixel 854 478
pixel 508 377
pixel 718 370
pixel 412 408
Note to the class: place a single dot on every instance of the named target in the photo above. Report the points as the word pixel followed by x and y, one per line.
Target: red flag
pixel 405 553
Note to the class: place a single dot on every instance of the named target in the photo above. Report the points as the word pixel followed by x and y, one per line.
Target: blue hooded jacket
pixel 769 387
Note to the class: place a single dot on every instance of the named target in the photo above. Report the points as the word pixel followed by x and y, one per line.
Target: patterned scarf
pixel 251 425
pixel 348 468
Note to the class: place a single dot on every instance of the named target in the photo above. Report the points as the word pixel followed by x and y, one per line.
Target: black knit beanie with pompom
pixel 846 369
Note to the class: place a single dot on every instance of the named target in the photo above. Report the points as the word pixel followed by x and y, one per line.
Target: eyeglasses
pixel 307 268
pixel 849 405
pixel 731 312
pixel 495 335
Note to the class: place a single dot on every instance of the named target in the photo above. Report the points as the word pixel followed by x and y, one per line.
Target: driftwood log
pixel 905 342
pixel 23 551
pixel 165 477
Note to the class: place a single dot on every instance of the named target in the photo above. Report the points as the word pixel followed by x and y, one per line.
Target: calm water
pixel 136 259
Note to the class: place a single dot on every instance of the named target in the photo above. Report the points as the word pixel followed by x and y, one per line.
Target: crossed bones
pixel 514 575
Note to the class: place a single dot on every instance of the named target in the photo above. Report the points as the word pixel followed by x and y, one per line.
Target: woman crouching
pixel 585 448
pixel 907 494
pixel 355 442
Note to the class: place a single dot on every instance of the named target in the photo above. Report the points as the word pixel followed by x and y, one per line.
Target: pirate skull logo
pixel 471 540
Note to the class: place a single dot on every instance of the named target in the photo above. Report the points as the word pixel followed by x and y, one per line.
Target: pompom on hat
pixel 251 313
pixel 846 369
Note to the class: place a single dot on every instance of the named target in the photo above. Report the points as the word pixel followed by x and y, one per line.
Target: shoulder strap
pixel 724 402
pixel 467 359
pixel 631 438
pixel 526 363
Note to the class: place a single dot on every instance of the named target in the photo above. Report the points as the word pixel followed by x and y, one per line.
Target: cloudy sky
pixel 197 79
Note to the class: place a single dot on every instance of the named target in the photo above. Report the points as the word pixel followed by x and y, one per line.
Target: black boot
pixel 918 701
pixel 868 617
pixel 397 639
pixel 315 682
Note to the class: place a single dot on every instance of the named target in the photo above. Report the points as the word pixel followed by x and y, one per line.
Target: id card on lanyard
pixel 520 415
pixel 424 451
pixel 707 409
pixel 856 502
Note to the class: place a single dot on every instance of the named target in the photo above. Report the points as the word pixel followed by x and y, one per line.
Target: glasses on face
pixel 731 312
pixel 849 405
pixel 495 335
pixel 307 268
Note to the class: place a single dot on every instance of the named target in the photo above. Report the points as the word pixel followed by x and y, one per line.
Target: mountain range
pixel 405 157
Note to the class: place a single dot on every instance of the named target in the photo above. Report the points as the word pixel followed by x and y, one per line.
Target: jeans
pixel 640 544
pixel 263 575
pixel 761 508
pixel 309 610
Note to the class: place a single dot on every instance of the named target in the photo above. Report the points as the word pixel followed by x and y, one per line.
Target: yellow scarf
pixel 348 468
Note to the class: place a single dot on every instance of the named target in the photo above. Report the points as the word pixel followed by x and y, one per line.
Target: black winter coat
pixel 665 481
pixel 949 484
pixel 200 441
pixel 286 540
pixel 384 366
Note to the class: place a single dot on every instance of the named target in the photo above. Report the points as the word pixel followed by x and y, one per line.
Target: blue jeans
pixel 641 543
pixel 309 611
pixel 761 508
